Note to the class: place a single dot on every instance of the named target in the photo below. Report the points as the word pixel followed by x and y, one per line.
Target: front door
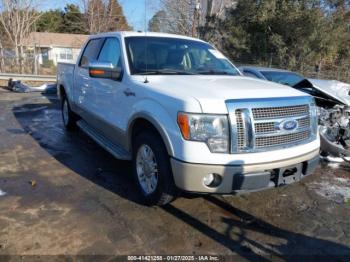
pixel 110 95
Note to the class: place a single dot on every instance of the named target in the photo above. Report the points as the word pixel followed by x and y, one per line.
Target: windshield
pixel 161 55
pixel 285 78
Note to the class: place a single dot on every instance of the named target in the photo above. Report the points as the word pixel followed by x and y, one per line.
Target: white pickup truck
pixel 186 117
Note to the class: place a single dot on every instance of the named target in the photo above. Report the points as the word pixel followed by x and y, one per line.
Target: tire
pixel 163 191
pixel 69 118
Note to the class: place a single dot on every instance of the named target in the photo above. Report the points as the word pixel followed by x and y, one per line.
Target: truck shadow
pixel 295 247
pixel 81 155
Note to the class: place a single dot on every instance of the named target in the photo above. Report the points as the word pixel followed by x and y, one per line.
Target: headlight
pixel 211 129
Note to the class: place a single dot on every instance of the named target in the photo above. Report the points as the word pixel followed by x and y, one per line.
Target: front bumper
pixel 243 178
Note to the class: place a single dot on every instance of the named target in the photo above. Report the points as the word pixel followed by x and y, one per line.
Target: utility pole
pixel 34 53
pixel 35 60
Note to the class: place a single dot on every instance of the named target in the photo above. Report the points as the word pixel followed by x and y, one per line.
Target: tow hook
pixel 290 172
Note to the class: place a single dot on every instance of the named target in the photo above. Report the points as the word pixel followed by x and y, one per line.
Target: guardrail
pixel 27 77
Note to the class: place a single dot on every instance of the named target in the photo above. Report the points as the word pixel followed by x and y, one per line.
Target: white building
pixel 55 47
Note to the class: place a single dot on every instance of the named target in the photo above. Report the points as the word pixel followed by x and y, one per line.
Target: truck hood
pixel 213 91
pixel 340 91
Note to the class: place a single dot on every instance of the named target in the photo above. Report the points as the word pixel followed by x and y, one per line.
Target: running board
pixel 116 150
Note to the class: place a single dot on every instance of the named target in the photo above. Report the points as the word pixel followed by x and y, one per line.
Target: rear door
pixel 84 95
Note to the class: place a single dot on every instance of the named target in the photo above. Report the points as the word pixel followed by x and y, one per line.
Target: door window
pixel 90 52
pixel 110 52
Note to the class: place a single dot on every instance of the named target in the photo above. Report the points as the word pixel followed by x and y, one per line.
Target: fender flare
pixel 158 126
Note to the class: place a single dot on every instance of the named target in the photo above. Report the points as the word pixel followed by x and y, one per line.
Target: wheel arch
pixel 140 121
pixel 61 91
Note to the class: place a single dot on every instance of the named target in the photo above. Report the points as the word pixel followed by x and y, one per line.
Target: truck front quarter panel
pixel 163 116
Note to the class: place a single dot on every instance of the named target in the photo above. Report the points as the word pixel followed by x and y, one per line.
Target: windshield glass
pixel 161 55
pixel 285 78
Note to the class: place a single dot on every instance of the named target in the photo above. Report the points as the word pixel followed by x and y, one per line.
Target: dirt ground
pixel 62 194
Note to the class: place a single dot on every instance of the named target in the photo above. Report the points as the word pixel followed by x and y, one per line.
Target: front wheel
pixel 152 170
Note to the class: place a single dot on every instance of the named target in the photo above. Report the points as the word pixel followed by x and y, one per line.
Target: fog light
pixel 212 180
pixel 208 179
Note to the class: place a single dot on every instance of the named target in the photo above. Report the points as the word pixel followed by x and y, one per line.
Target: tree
pixel 188 17
pixel 50 21
pixel 116 21
pixel 158 22
pixel 94 15
pixel 291 32
pixel 340 26
pixel 73 20
pixel 179 18
pixel 104 16
pixel 17 18
pixel 2 56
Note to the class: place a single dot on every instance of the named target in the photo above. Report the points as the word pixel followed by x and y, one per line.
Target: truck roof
pixel 141 33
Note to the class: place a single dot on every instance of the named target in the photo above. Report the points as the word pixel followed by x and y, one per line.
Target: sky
pixel 134 10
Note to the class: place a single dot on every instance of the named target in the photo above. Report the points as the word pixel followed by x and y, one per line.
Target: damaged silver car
pixel 333 101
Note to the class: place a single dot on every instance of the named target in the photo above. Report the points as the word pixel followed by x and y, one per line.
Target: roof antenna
pixel 146 79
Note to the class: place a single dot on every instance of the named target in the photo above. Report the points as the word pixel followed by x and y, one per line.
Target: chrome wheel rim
pixel 65 112
pixel 147 169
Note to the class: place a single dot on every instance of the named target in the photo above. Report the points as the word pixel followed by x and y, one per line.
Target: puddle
pixel 27 109
pixel 336 189
pixel 16 131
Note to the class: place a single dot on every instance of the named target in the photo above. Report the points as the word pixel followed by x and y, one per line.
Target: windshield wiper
pixel 165 72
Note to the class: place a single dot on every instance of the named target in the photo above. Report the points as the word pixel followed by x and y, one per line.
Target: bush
pixel 48 64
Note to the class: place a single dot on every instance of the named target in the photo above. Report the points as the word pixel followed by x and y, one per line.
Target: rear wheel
pixel 69 118
pixel 152 170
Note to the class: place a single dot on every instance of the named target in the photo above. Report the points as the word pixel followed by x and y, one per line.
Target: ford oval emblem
pixel 289 125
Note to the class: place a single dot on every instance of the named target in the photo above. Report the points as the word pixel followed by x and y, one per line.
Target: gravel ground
pixel 62 194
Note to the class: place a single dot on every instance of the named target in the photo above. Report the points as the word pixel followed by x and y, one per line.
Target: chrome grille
pixel 240 129
pixel 269 127
pixel 269 141
pixel 265 127
pixel 304 122
pixel 260 124
pixel 282 111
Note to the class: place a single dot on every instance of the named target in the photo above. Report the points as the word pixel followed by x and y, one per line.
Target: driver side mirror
pixel 104 70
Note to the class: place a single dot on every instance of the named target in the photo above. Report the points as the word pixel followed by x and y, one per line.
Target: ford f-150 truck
pixel 186 117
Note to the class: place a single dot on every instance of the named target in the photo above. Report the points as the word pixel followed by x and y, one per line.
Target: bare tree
pixel 2 57
pixel 215 8
pixel 185 16
pixel 17 18
pixel 179 15
pixel 94 11
pixel 104 15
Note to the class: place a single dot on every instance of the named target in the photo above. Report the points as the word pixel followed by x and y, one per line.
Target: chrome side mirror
pixel 105 70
